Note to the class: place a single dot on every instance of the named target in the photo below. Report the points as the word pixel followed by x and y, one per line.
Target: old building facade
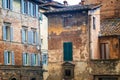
pixel 73 41
pixel 19 24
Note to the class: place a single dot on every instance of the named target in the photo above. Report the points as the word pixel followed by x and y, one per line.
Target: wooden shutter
pixel 38 59
pixel 22 6
pixel 36 11
pixel 11 33
pixel 24 58
pixel 29 59
pixel 37 38
pixel 4 4
pixel 32 59
pixel 11 4
pixel 4 32
pixel 31 9
pixel 29 37
pixel 5 57
pixel 23 36
pixel 13 59
pixel 67 51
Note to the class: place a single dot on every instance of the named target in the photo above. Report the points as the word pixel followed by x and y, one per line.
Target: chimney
pixel 65 3
pixel 82 2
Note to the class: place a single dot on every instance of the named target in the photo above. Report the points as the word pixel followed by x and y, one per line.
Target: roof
pixel 38 1
pixel 110 27
pixel 53 3
pixel 74 8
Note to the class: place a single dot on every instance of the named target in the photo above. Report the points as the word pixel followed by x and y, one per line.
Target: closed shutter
pixel 4 4
pixel 36 11
pixel 67 51
pixel 4 32
pixel 5 57
pixel 11 34
pixel 31 9
pixel 13 59
pixel 30 37
pixel 28 8
pixel 38 59
pixel 23 36
pixel 70 51
pixel 11 4
pixel 37 38
pixel 22 6
pixel 24 58
pixel 29 59
pixel 32 59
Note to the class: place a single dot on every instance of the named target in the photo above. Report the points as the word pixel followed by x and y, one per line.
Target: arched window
pixel 13 79
pixel 33 79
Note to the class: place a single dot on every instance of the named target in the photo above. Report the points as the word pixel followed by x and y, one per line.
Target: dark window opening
pixel 94 26
pixel 13 79
pixel 33 79
pixel 68 72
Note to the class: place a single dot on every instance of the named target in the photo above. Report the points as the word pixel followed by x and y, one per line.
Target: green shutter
pixel 67 51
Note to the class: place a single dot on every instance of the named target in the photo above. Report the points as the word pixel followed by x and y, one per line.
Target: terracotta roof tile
pixel 110 27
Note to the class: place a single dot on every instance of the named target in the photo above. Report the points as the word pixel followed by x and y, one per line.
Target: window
pixel 94 26
pixel 24 35
pixel 104 51
pixel 34 10
pixel 30 8
pixel 106 77
pixel 25 7
pixel 67 21
pixel 26 59
pixel 7 32
pixel 44 59
pixel 35 59
pixel 68 72
pixel 9 57
pixel 67 46
pixel 34 36
pixel 7 4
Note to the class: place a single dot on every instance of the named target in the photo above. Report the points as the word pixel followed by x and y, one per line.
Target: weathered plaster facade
pixel 44 41
pixel 81 34
pixel 17 20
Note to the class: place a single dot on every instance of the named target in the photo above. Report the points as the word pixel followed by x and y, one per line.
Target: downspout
pixel 89 36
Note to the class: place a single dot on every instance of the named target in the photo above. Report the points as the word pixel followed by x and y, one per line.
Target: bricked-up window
pixel 67 50
pixel 106 77
pixel 26 59
pixel 35 59
pixel 30 8
pixel 7 4
pixel 67 21
pixel 24 35
pixel 7 32
pixel 104 51
pixel 8 57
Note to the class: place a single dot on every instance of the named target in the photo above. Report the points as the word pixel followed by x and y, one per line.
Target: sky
pixel 70 2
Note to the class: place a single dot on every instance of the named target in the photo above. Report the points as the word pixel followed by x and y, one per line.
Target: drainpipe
pixel 89 36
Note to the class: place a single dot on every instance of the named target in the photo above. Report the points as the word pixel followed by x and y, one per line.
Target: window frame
pixel 9 57
pixel 104 51
pixel 99 77
pixel 24 34
pixel 7 4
